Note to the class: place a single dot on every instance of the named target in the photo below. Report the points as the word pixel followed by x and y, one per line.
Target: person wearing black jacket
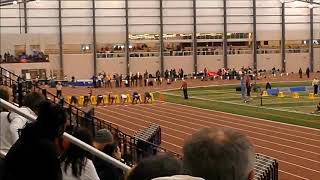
pixel 34 155
pixel 105 170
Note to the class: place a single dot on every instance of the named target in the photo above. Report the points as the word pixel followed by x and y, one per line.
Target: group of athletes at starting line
pixel 109 99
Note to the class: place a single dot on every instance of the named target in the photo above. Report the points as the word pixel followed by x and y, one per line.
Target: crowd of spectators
pixel 36 56
pixel 38 153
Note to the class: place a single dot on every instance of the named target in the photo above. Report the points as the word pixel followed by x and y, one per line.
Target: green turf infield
pixel 227 99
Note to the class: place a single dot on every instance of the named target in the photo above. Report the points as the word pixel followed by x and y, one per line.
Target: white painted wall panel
pixel 9 13
pixel 152 64
pixel 76 13
pixel 317 59
pixel 144 20
pixel 77 29
pixel 111 66
pixel 76 4
pixel 110 29
pixel 268 3
pixel 178 28
pixel 144 12
pixel 239 61
pixel 177 20
pixel 145 4
pixel 268 61
pixel 208 20
pixel 239 11
pixel 110 12
pixel 296 61
pixel 44 4
pixel 43 21
pixel 212 63
pixel 177 4
pixel 269 19
pixel 43 13
pixel 77 21
pixel 210 3
pixel 242 19
pixel 237 3
pixel 186 63
pixel 240 28
pixel 144 29
pixel 110 21
pixel 110 4
pixel 268 11
pixel 177 12
pixel 210 28
pixel 10 22
pixel 209 12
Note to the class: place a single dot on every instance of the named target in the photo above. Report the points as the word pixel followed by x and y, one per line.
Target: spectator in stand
pixel 216 153
pixel 35 148
pixel 11 122
pixel 76 163
pixel 102 138
pixel 107 171
pixel 156 166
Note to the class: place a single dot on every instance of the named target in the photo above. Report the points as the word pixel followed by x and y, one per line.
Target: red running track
pixel 297 149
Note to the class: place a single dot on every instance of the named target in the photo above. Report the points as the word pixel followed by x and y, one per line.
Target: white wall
pixel 152 64
pixel 16 68
pixel 316 59
pixel 296 61
pixel 78 65
pixel 212 63
pixel 111 66
pixel 186 63
pixel 268 61
pixel 239 61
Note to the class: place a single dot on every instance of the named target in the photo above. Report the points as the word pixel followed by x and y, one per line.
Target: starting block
pixel 68 99
pixel 129 98
pixel 311 96
pixel 265 94
pixel 152 97
pixel 116 99
pixel 295 95
pixel 93 100
pixel 105 100
pixel 80 101
pixel 281 94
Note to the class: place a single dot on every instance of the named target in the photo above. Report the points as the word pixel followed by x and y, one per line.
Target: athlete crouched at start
pixel 135 98
pixel 147 98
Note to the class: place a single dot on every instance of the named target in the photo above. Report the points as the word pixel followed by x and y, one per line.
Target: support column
pixel 127 38
pixel 161 39
pixel 283 38
pixel 25 17
pixel 311 52
pixel 254 38
pixel 60 38
pixel 225 30
pixel 194 39
pixel 94 37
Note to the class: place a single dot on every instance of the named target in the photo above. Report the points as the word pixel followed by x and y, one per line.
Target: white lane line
pixel 285 172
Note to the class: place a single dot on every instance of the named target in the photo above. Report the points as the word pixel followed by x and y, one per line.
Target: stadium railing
pixel 10 107
pixel 266 167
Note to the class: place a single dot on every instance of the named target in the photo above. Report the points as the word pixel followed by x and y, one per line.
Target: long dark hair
pixel 75 156
pixel 49 124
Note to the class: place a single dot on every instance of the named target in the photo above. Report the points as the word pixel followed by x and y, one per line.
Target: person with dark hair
pixel 107 171
pixel 35 148
pixel 11 122
pixel 135 98
pixel 156 166
pixel 219 153
pixel 147 97
pixel 76 163
pixel 184 87
pixel 308 72
pixel 268 85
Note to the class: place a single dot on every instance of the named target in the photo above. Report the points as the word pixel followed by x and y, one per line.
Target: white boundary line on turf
pixel 248 105
pixel 260 119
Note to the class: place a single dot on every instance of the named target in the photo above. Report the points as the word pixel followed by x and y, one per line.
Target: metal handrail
pixel 69 137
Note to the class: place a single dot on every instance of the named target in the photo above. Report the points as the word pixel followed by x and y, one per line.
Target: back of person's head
pixel 33 100
pixel 102 137
pixel 156 166
pixel 50 123
pixel 223 154
pixel 4 94
pixel 75 156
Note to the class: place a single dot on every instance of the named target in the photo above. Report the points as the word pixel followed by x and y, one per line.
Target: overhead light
pixel 14 2
pixel 310 6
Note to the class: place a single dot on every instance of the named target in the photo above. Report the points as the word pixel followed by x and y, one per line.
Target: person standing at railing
pixel 300 73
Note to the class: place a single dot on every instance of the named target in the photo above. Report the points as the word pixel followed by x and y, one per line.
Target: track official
pixel 184 87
